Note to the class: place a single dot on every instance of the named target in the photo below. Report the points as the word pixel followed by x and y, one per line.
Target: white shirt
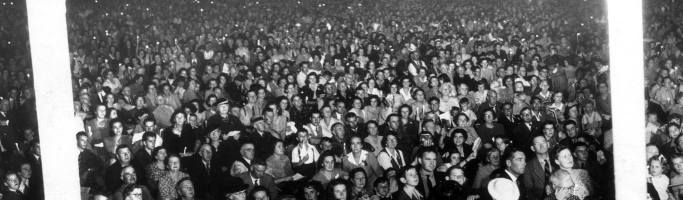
pixel 299 153
pixel 384 159
pixel 513 178
pixel 661 183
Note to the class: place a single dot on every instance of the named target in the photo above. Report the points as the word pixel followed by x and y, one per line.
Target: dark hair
pixel 335 182
pixel 180 182
pixel 558 149
pixel 168 159
pixel 176 113
pixel 322 157
pixel 129 189
pixel 379 180
pixel 156 150
pixel 121 146
pixel 353 172
pixel 148 134
pixel 384 139
pixel 81 134
pixel 258 189
pixel 111 126
pixel 402 173
pixel 509 153
pixel 449 190
pixel 410 109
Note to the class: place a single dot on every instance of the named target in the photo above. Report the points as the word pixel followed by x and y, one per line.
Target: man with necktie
pixel 537 173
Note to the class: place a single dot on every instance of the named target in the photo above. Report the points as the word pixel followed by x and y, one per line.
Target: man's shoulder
pixel 499 173
pixel 243 175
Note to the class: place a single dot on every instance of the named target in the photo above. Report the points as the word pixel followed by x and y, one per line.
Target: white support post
pixel 50 57
pixel 625 18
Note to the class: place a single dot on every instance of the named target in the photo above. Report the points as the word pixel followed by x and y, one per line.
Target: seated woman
pixel 116 138
pixel 492 162
pixel 580 178
pixel 156 169
pixel 390 156
pixel 278 164
pixel 359 158
pixel 339 190
pixel 328 171
pixel 168 180
pixel 360 188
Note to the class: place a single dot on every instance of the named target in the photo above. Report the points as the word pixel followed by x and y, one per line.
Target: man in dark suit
pixel 100 95
pixel 11 187
pixel 112 177
pixel 89 164
pixel 262 139
pixel 538 114
pixel 143 157
pixel 538 170
pixel 490 103
pixel 353 127
pixel 256 176
pixel 515 164
pixel 247 154
pixel 8 131
pixel 428 181
pixel 202 170
pixel 522 133
pixel 507 118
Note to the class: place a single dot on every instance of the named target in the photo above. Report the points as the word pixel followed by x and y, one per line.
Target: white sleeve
pixel 316 155
pixel 295 155
pixel 384 160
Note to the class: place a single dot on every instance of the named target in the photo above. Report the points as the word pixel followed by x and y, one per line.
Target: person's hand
pixel 601 157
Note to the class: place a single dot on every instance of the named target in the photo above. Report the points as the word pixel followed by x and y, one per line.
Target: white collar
pixel 363 157
pixel 512 176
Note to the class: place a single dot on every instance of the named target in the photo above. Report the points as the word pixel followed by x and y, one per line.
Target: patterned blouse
pixel 167 184
pixel 153 174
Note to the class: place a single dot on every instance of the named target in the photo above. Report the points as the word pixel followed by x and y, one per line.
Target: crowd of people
pixel 20 159
pixel 664 113
pixel 347 100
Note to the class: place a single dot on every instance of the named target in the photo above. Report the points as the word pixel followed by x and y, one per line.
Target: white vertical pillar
pixel 625 18
pixel 50 57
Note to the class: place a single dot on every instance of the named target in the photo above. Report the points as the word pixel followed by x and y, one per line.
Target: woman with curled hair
pixel 178 138
pixel 390 156
pixel 579 178
pixel 156 169
pixel 328 171
pixel 170 178
pixel 339 189
pixel 492 162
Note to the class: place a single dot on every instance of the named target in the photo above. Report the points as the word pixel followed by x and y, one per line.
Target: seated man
pixel 129 177
pixel 256 176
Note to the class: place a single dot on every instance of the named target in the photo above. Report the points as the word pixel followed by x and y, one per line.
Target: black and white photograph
pixel 332 100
